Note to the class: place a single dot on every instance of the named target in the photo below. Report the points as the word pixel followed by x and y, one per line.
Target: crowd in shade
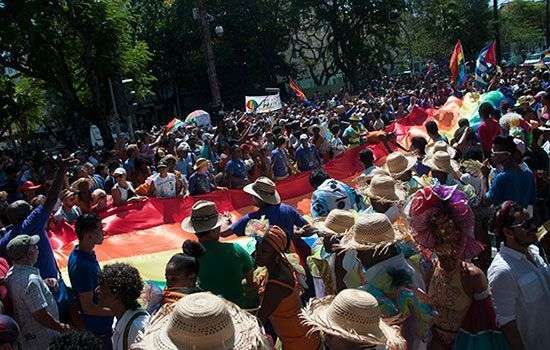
pixel 442 243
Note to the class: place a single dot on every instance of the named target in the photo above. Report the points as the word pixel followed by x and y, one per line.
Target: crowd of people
pixel 443 244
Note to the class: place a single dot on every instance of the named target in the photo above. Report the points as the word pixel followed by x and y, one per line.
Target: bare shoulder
pixel 475 278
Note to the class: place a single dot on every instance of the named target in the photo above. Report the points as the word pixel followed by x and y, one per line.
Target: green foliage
pixel 434 26
pixel 21 104
pixel 74 47
pixel 523 23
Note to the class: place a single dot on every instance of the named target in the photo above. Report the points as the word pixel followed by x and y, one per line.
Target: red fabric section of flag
pixel 454 63
pixel 490 56
pixel 296 89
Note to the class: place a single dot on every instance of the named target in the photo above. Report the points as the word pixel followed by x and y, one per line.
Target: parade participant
pixel 35 310
pixel 223 266
pixel 279 160
pixel 488 128
pixel 329 194
pixel 203 321
pixel 120 286
pixel 268 200
pixel 164 184
pixel 351 320
pixel 433 132
pixel 123 191
pixel 201 181
pixel 400 166
pixel 442 222
pixel 353 134
pixel 367 158
pixel 307 155
pixel 418 149
pixel 331 271
pixel 28 189
pixel 68 211
pixel 280 293
pixel 185 161
pixel 99 200
pixel 82 188
pixel 235 169
pixel 520 281
pixel 512 182
pixel 33 222
pixel 386 196
pixel 84 271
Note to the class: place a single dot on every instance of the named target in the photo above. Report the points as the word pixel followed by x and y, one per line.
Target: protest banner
pixel 262 104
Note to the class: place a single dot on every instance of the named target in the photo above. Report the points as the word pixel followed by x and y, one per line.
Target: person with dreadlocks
pixel 443 223
pixel 281 293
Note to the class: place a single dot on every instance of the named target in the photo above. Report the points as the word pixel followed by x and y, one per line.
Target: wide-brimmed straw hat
pixel 264 189
pixel 355 118
pixel 352 315
pixel 472 166
pixel 442 161
pixel 199 163
pixel 203 321
pixel 440 146
pixel 369 230
pixel 526 99
pixel 385 189
pixel 337 222
pixel 204 217
pixel 397 163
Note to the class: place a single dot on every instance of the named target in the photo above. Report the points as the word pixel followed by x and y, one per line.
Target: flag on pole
pixel 296 89
pixel 485 62
pixel 458 66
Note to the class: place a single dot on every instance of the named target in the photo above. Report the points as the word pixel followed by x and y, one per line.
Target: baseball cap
pixel 28 186
pixel 18 246
pixel 303 137
pixel 119 171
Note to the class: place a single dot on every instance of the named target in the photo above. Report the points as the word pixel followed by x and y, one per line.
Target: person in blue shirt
pixel 83 272
pixel 279 160
pixel 307 155
pixel 31 222
pixel 236 169
pixel 268 200
pixel 513 183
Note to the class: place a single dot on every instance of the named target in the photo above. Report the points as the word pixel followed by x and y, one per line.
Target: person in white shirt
pixel 164 184
pixel 519 280
pixel 120 286
pixel 34 307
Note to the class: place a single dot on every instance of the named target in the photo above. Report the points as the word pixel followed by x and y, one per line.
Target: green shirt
pixel 222 269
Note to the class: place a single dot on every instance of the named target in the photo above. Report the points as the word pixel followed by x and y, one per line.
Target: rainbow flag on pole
pixel 297 90
pixel 458 66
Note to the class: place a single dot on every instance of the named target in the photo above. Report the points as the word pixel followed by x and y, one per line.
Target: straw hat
pixel 203 321
pixel 368 230
pixel 472 166
pixel 264 189
pixel 526 99
pixel 337 222
pixel 353 315
pixel 199 163
pixel 355 118
pixel 440 146
pixel 397 164
pixel 204 217
pixel 442 161
pixel 384 188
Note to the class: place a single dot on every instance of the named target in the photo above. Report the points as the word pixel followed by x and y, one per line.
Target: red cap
pixel 28 186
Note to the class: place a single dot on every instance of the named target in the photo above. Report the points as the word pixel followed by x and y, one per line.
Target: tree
pixel 21 105
pixel 522 24
pixel 362 35
pixel 74 47
pixel 434 26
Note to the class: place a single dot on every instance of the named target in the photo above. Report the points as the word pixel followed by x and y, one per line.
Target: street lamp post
pixel 209 55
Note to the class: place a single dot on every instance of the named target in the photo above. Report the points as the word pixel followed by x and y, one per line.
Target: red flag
pixel 296 89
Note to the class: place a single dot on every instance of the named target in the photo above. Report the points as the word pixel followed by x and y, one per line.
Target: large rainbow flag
pixel 148 233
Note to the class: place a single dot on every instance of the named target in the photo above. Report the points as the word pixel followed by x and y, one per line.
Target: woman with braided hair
pixel 281 291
